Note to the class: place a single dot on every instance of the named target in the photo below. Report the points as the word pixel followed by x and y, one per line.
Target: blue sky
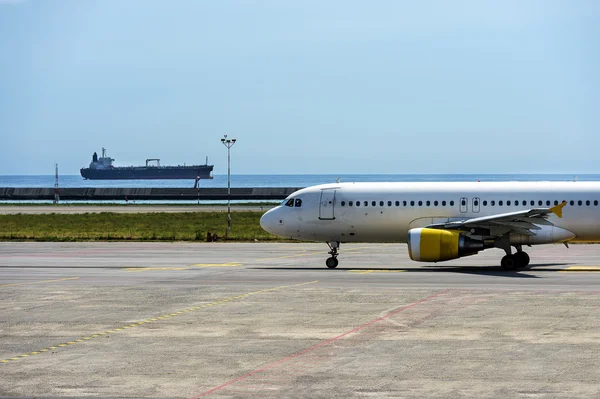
pixel 305 87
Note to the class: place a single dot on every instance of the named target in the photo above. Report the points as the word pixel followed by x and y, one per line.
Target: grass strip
pixel 108 226
pixel 157 203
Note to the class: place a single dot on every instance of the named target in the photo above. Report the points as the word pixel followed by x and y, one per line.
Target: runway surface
pixel 179 320
pixel 66 209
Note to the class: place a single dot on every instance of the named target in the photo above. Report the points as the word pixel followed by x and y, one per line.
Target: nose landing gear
pixel 332 262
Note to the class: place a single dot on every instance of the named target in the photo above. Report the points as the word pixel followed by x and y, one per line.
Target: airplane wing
pixel 521 222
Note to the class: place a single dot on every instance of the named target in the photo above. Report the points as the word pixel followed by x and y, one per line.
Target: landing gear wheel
pixel 509 262
pixel 331 262
pixel 521 258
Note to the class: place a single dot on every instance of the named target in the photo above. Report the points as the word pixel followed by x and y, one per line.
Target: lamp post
pixel 228 143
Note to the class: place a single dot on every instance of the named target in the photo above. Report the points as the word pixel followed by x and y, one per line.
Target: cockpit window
pixel 290 202
pixel 298 203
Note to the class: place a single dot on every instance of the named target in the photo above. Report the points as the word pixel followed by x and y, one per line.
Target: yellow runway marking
pixel 137 324
pixel 375 271
pixel 581 269
pixel 146 269
pixel 230 264
pixel 349 251
pixel 41 282
pixel 289 256
pixel 165 268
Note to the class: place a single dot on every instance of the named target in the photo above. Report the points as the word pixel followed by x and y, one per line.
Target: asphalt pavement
pixel 190 320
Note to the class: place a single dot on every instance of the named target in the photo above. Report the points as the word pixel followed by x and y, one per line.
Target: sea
pixel 300 180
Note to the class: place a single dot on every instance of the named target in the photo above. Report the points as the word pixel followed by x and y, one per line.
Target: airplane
pixel 441 221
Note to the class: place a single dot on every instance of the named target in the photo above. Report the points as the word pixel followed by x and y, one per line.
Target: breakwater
pixel 96 194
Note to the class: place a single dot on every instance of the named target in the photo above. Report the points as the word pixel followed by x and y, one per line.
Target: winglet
pixel 557 210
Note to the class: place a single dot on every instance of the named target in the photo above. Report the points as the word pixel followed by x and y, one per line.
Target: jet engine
pixel 434 245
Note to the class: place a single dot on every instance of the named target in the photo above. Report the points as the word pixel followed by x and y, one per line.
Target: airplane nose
pixel 267 221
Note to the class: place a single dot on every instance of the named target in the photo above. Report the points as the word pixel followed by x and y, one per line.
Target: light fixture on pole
pixel 228 143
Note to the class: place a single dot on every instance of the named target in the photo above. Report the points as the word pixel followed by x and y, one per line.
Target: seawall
pixel 90 193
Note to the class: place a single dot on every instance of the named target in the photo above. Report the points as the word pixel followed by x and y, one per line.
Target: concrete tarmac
pixel 238 320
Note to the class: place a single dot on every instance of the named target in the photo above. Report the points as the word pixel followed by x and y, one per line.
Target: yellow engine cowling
pixel 435 245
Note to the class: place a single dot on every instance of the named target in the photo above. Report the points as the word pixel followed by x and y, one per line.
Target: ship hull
pixel 151 173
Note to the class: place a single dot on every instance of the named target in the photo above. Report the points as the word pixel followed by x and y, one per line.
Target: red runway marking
pixel 356 329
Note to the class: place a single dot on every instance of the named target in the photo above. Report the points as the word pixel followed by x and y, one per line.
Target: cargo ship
pixel 103 169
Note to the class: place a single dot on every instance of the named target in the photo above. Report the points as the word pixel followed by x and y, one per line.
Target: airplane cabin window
pixel 587 203
pixel 349 203
pixel 451 203
pixel 389 203
pixel 290 202
pixel 435 203
pixel 492 203
pixel 374 203
pixel 547 203
pixel 573 202
pixel 579 203
pixel 463 202
pixel 366 203
pixel 532 203
pixel 499 203
pixel 343 203
pixel 357 203
pixel 403 203
pixel 398 203
pixel 540 203
pixel 484 203
pixel 555 202
pixel 476 203
pixel 298 203
pixel 595 202
pixel 507 203
pixel 380 203
pixel 420 203
pixel 428 203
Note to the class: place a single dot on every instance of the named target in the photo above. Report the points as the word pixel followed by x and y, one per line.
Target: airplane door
pixel 476 205
pixel 463 204
pixel 326 207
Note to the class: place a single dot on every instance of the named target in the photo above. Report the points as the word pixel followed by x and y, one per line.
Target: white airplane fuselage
pixel 385 212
